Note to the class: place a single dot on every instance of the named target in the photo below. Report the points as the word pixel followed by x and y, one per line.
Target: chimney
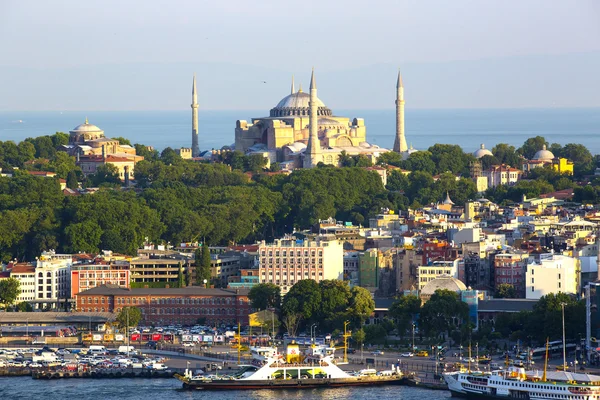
pixel 126 176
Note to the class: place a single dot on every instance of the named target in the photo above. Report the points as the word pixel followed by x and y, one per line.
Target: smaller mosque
pixel 301 131
pixel 545 157
pixel 481 152
pixel 91 148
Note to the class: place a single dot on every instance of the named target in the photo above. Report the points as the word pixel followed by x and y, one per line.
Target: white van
pixel 97 350
pixel 126 349
pixel 495 366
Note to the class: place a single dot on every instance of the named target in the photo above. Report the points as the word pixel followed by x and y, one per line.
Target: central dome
pixel 84 132
pixel 297 104
pixel 544 155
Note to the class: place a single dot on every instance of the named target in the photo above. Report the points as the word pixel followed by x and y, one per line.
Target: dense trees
pixel 545 320
pixel 128 317
pixel 443 312
pixel 328 303
pixel 181 199
pixel 265 295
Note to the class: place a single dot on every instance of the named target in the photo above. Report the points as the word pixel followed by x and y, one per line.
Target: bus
pixel 555 350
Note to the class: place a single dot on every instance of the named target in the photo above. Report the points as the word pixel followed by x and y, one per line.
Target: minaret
pixel 313 151
pixel 400 142
pixel 195 148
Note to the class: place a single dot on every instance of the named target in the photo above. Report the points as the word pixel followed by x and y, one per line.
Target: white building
pixel 53 275
pixel 427 273
pixel 552 274
pixel 287 261
pixel 25 274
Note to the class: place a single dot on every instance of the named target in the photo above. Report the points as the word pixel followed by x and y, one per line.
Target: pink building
pixel 88 276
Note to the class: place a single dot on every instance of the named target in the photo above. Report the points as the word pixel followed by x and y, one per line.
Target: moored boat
pixel 271 370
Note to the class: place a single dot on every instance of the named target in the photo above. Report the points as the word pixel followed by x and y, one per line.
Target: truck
pixel 127 349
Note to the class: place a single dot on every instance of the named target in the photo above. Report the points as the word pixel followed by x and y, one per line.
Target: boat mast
pixel 469 357
pixel 546 360
pixel 346 334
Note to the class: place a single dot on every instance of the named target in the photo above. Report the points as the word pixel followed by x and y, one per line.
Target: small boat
pixel 294 370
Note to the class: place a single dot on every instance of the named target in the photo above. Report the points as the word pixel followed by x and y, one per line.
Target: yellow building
pixel 563 166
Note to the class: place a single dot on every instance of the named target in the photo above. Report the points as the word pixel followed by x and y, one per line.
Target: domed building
pixel 84 132
pixel 91 149
pixel 544 155
pixel 482 151
pixel 285 133
pixel 443 282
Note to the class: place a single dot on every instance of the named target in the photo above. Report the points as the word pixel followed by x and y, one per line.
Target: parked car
pixel 377 353
pixel 188 344
pixel 409 354
pixel 423 353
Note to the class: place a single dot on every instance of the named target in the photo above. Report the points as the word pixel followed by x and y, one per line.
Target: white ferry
pixel 294 370
pixel 516 383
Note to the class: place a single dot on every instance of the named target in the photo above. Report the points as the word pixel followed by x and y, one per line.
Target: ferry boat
pixel 294 370
pixel 516 383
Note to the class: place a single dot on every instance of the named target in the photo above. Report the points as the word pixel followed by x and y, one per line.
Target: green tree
pixel 404 311
pixel 105 173
pixel 361 305
pixel 180 277
pixel 265 295
pixel 72 182
pixel 24 307
pixel 390 158
pixel 506 154
pixel 420 161
pixel 302 301
pixel 359 336
pixel 345 159
pixel 10 289
pixel 203 272
pixel 133 315
pixel 506 291
pixel 442 312
pixel 532 146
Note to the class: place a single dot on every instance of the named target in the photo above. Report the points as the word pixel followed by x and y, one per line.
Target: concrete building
pixel 287 261
pixel 53 280
pixel 510 268
pixel 552 274
pixel 427 273
pixel 502 175
pixel 406 262
pixel 158 272
pixel 88 276
pixel 183 306
pixel 351 268
pixel 25 274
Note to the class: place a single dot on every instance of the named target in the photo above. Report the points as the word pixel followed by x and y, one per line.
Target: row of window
pixel 161 300
pixel 292 253
pixel 102 275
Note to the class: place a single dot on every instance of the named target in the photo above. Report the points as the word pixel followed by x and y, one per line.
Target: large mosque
pixel 301 131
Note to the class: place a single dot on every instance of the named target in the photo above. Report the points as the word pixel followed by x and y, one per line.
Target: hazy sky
pixel 141 54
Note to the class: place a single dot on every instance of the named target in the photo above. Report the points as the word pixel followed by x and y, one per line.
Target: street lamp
pixel 313 338
pixel 477 353
pixel 413 337
pixel 205 281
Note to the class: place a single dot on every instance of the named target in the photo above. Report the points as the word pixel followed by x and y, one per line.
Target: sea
pixel 22 388
pixel 466 127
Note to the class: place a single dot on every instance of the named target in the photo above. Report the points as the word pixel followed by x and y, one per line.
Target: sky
pixel 141 55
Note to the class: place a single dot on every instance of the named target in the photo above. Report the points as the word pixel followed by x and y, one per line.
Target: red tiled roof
pixel 22 269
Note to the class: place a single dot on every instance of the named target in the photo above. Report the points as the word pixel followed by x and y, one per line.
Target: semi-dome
pixel 85 132
pixel 297 104
pixel 544 155
pixel 443 282
pixel 482 151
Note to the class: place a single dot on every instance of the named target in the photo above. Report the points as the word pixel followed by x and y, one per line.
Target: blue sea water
pixel 465 127
pixel 170 389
